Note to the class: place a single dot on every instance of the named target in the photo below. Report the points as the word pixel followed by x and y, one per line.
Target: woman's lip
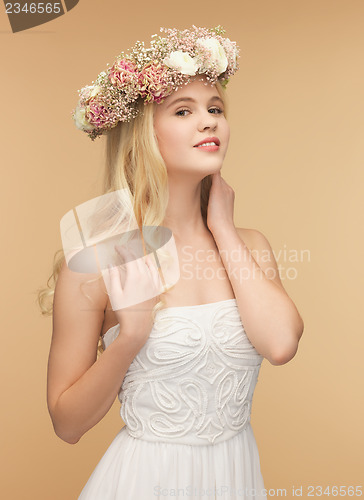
pixel 216 140
pixel 208 148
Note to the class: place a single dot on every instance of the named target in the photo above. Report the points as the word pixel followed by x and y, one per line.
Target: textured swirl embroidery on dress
pixel 169 351
pixel 195 375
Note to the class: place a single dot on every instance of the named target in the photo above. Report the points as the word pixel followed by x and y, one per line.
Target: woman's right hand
pixel 133 301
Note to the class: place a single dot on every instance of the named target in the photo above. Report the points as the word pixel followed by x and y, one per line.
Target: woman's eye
pixel 216 110
pixel 181 111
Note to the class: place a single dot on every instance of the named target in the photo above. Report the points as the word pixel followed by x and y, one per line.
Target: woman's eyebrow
pixel 190 99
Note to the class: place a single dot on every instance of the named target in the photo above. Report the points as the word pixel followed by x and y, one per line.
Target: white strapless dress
pixel 186 402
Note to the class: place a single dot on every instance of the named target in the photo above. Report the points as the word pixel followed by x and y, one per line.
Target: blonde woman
pixel 185 362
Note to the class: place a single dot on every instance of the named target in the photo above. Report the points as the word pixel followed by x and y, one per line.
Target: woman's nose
pixel 208 121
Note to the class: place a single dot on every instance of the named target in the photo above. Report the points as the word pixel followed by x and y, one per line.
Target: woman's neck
pixel 183 214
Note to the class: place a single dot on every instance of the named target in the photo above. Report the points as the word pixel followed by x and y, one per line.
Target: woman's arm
pixel 81 389
pixel 271 319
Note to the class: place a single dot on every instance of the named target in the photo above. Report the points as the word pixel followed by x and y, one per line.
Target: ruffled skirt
pixel 136 469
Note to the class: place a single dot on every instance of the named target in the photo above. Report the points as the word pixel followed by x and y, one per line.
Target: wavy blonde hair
pixel 133 162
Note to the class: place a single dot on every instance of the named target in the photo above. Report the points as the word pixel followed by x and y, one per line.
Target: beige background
pixel 296 164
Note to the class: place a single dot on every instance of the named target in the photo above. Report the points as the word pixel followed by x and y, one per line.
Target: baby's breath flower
pixel 152 74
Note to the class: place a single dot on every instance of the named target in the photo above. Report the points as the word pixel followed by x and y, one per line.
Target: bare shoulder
pixel 254 237
pixel 247 235
pixel 262 252
pixel 79 303
pixel 91 285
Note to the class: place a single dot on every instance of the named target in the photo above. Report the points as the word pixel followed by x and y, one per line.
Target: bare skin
pixel 180 125
pixel 81 388
pixel 197 260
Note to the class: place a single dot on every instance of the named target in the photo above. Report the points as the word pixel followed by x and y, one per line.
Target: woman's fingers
pixel 140 277
pixel 153 269
pixel 115 289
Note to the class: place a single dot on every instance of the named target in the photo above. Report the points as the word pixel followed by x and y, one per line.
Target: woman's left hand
pixel 220 209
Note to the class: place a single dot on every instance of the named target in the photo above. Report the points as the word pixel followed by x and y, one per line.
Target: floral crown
pixel 152 74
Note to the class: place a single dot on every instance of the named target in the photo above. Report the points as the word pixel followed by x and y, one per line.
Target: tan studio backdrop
pixel 295 161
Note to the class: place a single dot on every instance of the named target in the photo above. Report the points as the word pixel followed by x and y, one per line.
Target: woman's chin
pixel 215 170
pixel 195 173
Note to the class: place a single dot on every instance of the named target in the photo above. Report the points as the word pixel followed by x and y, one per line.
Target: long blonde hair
pixel 133 162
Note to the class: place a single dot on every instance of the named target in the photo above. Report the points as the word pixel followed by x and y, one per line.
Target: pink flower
pixel 155 82
pixel 232 53
pixel 124 74
pixel 97 110
pixel 97 113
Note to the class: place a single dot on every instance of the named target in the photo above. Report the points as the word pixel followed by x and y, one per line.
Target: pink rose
pixel 155 82
pixel 97 113
pixel 124 74
pixel 97 110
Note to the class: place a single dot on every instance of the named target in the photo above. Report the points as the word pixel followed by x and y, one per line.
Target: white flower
pixel 217 51
pixel 79 115
pixel 80 119
pixel 94 90
pixel 182 62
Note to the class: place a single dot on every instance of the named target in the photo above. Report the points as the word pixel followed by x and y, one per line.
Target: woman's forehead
pixel 191 89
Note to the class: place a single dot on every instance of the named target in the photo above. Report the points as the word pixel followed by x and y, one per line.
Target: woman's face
pixel 192 115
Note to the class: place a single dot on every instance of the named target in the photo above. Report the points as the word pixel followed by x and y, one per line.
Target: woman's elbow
pixel 66 436
pixel 283 356
pixel 71 441
pixel 64 432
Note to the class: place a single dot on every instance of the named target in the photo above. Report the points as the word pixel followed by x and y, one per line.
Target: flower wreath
pixel 152 74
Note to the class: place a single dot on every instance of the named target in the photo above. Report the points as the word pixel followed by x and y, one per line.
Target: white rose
pixel 79 115
pixel 80 119
pixel 181 61
pixel 95 90
pixel 217 52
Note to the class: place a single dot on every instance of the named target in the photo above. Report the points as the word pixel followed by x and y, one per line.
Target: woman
pixel 185 373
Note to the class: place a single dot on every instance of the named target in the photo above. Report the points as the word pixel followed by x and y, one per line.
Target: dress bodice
pixel 193 380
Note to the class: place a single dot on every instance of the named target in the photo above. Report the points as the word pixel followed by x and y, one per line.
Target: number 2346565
pixel 33 8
